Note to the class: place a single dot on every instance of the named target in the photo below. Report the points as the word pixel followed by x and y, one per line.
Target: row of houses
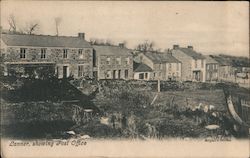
pixel 68 56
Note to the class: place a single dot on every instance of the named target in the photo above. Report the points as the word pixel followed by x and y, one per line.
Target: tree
pixel 12 23
pixel 32 27
pixel 145 46
pixel 29 28
pixel 58 21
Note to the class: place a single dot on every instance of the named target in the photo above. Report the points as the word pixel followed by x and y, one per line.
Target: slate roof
pixel 192 53
pixel 112 50
pixel 140 67
pixel 44 41
pixel 210 60
pixel 232 60
pixel 158 58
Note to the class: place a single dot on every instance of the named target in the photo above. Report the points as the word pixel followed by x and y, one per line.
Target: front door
pixel 119 74
pixel 114 74
pixel 65 68
pixel 197 75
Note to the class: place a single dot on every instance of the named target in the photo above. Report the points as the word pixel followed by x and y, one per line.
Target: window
pixel 94 58
pixel 119 74
pixel 169 66
pixel 207 67
pixel 126 73
pixel 195 63
pixel 22 52
pixel 202 63
pixel 108 74
pixel 146 75
pixel 87 51
pixel 127 61
pixel 80 70
pixel 118 61
pixel 154 74
pixel 141 76
pixel 177 66
pixel 43 53
pixel 65 53
pixel 80 54
pixel 108 61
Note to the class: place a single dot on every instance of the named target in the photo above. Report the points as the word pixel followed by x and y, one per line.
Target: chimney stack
pixel 190 47
pixel 121 45
pixel 176 46
pixel 81 35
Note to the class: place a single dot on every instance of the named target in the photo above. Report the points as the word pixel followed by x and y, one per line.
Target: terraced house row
pixel 72 56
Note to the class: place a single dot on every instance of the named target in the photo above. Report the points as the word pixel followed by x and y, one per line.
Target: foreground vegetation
pixel 118 109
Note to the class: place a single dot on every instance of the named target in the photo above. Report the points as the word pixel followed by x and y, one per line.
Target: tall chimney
pixel 190 47
pixel 121 45
pixel 176 46
pixel 81 35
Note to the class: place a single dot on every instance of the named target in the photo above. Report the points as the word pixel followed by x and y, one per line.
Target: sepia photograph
pixel 124 79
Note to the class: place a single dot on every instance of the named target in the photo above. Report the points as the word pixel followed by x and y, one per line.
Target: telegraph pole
pixel 159 85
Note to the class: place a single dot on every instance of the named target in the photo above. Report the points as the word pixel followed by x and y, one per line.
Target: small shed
pixel 142 71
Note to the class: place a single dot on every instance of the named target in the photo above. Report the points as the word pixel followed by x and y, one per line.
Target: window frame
pixel 108 74
pixel 195 64
pixel 80 70
pixel 80 53
pixel 108 61
pixel 118 60
pixel 23 53
pixel 65 53
pixel 43 53
pixel 126 74
pixel 202 63
pixel 169 66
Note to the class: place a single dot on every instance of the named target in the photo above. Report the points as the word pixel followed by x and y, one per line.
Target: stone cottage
pixel 212 69
pixel 164 65
pixel 65 56
pixel 112 62
pixel 142 71
pixel 193 64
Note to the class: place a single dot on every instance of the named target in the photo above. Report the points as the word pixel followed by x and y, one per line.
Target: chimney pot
pixel 81 35
pixel 191 47
pixel 176 46
pixel 121 45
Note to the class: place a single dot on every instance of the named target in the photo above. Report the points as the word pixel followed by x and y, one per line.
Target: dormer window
pixel 43 53
pixel 65 53
pixel 22 53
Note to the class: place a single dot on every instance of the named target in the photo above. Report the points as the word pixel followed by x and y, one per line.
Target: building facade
pixel 212 69
pixel 164 66
pixel 193 64
pixel 65 56
pixel 112 62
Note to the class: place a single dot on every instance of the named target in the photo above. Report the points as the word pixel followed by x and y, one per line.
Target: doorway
pixel 65 69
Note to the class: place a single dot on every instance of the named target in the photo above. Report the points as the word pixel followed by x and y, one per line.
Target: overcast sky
pixel 211 27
